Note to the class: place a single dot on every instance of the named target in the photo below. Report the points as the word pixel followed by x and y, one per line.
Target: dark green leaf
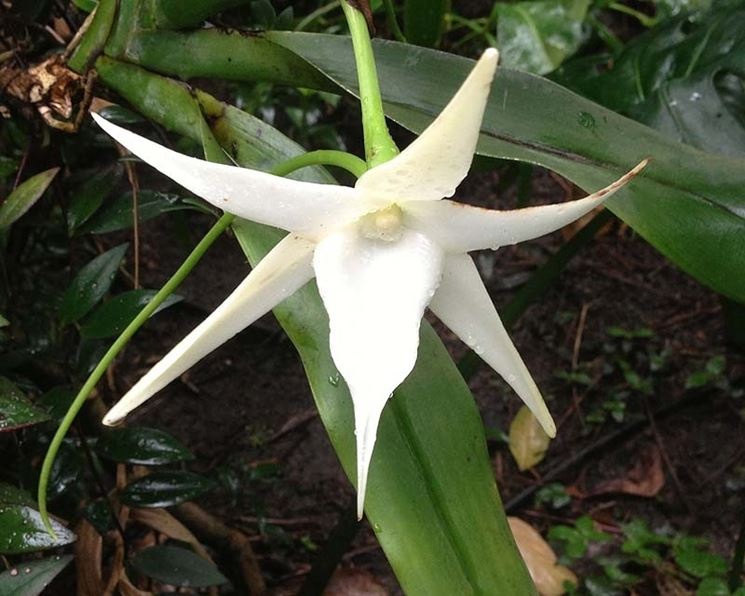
pixel 424 21
pixel 713 586
pixel 537 36
pixel 98 513
pixel 89 196
pixel 164 489
pixel 671 8
pixel 117 215
pixel 683 78
pixel 178 567
pixel 16 410
pixel 8 166
pixel 57 401
pixel 112 317
pixel 22 531
pixel 121 116
pixel 91 284
pixel 689 204
pixel 23 198
pixel 12 495
pixel 32 577
pixel 144 446
pixel 3 322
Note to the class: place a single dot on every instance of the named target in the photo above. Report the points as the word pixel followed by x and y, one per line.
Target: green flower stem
pixel 341 159
pixel 334 158
pixel 392 20
pixel 379 146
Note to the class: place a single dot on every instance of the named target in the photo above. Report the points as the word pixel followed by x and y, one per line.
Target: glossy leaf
pixel 57 401
pixel 670 8
pixel 24 196
pixel 431 497
pixel 91 284
pixel 22 531
pixel 537 36
pixel 89 196
pixel 164 489
pixel 117 215
pixel 685 78
pixel 32 577
pixel 12 495
pixel 688 204
pixel 16 410
pixel 178 567
pixel 144 446
pixel 112 317
pixel 424 21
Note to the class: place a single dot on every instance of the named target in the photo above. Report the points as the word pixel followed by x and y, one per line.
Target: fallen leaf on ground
pixel 354 582
pixel 645 479
pixel 548 577
pixel 528 441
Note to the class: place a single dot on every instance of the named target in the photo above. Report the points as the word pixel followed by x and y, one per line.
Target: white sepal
pixel 461 228
pixel 375 292
pixel 463 304
pixel 306 208
pixel 434 164
pixel 278 275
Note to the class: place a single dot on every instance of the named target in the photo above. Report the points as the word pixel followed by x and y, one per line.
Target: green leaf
pixel 112 317
pixel 164 489
pixel 89 196
pixel 537 36
pixel 117 215
pixel 57 401
pixel 32 577
pixel 91 284
pixel 713 586
pixel 23 198
pixel 177 567
pixel 685 78
pixel 670 8
pixel 431 498
pixel 3 322
pixel 12 495
pixel 688 204
pixel 692 556
pixel 16 410
pixel 424 21
pixel 144 446
pixel 22 531
pixel 121 116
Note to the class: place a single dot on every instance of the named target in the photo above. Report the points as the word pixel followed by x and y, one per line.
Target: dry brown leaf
pixel 354 582
pixel 88 556
pixel 540 559
pixel 645 479
pixel 528 441
pixel 162 521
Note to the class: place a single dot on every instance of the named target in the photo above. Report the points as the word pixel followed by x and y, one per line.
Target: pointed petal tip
pixel 490 54
pixel 112 418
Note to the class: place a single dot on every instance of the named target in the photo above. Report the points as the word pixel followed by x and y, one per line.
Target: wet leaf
pixel 164 489
pixel 12 495
pixel 144 446
pixel 528 441
pixel 57 401
pixel 178 567
pixel 537 36
pixel 32 578
pixel 98 513
pixel 540 558
pixel 16 410
pixel 22 531
pixel 24 196
pixel 112 317
pixel 91 284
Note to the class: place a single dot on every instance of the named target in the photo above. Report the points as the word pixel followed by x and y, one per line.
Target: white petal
pixel 435 163
pixel 461 228
pixel 375 292
pixel 463 304
pixel 301 207
pixel 285 269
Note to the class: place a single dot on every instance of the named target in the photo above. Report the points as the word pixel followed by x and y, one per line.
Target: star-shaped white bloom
pixel 381 253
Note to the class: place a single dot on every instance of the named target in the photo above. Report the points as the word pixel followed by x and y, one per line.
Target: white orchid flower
pixel 381 253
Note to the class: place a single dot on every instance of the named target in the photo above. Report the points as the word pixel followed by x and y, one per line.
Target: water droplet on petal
pixel 14 572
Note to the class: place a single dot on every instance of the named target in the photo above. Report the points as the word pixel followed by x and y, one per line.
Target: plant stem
pixel 379 146
pixel 316 14
pixel 347 161
pixel 390 14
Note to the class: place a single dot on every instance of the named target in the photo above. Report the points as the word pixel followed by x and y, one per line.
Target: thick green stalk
pixel 341 159
pixel 379 146
pixel 94 39
pixel 177 14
